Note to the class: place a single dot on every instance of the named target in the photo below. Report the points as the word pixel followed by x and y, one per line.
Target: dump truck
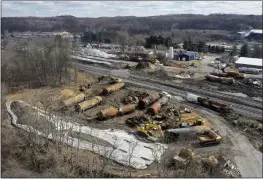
pixel 205 134
pixel 209 138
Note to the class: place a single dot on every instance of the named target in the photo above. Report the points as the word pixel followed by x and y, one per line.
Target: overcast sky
pixel 126 8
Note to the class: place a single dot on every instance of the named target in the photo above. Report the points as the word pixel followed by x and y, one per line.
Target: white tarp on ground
pixel 97 53
pixel 127 149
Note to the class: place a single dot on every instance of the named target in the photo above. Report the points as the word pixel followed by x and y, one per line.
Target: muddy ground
pixel 47 98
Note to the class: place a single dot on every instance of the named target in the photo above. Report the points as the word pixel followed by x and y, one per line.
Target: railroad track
pixel 243 106
pixel 206 92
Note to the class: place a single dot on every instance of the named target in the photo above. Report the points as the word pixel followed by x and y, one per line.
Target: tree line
pixel 38 62
pixel 159 40
pixel 134 25
pixel 254 51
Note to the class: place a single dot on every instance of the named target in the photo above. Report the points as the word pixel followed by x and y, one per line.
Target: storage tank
pixel 171 52
pixel 192 98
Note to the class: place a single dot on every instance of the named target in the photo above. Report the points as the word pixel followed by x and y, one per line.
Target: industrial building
pixel 185 55
pixel 249 62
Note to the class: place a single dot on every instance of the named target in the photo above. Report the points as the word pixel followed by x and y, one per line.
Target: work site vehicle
pixel 136 58
pixel 209 138
pixel 190 122
pixel 124 57
pixel 188 119
pixel 150 131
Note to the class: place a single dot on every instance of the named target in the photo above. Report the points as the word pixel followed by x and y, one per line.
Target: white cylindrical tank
pixel 171 52
pixel 192 98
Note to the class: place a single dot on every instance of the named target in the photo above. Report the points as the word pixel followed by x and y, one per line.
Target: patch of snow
pixel 97 53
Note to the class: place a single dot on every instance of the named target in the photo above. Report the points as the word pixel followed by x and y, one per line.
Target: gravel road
pixel 247 158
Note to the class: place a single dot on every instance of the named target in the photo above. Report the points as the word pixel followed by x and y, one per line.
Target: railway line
pixel 243 106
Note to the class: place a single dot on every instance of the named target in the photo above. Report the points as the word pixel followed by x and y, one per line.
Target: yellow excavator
pixel 187 118
pixel 150 129
pixel 209 138
pixel 234 72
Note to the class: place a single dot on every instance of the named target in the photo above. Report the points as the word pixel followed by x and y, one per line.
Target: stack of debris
pixel 226 167
pixel 134 97
pixel 185 74
pixel 183 158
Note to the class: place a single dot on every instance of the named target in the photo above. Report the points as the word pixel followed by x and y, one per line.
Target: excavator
pixel 210 137
pixel 188 119
pixel 234 73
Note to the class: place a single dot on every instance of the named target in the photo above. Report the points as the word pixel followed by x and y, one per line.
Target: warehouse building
pixel 185 55
pixel 249 62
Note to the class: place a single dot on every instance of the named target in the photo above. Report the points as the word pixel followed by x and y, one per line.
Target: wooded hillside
pixel 134 25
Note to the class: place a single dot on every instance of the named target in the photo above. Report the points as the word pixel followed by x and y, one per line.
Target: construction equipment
pixel 150 130
pixel 124 57
pixel 136 58
pixel 231 66
pixel 187 118
pixel 115 80
pixel 205 134
pixel 234 73
pixel 190 121
pixel 137 121
pixel 210 137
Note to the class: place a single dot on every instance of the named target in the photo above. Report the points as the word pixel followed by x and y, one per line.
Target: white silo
pixel 171 52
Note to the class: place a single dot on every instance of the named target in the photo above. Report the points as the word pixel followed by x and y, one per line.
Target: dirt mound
pixel 145 65
pixel 159 72
pixel 230 115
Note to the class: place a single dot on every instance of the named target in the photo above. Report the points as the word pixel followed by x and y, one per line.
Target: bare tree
pixel 123 37
pixel 137 40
